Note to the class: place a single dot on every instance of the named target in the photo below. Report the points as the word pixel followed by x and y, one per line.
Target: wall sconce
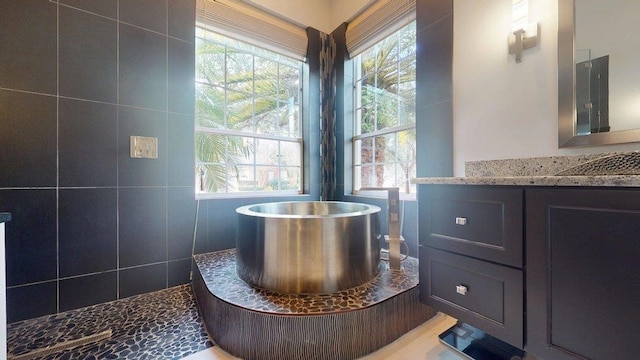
pixel 523 35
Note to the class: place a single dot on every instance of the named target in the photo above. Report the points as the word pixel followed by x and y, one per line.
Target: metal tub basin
pixel 307 247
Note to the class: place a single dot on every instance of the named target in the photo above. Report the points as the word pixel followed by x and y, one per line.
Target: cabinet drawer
pixel 478 221
pixel 483 294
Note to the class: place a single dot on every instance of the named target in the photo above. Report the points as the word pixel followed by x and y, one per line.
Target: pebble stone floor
pixel 218 271
pixel 166 324
pixel 160 325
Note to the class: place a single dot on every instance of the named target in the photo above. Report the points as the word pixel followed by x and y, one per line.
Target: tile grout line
pixel 117 149
pixel 57 157
pixel 166 174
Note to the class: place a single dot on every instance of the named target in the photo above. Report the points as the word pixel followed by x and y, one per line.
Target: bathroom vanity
pixel 471 256
pixel 549 264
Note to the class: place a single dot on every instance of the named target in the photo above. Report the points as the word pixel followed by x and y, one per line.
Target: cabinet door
pixel 484 222
pixel 485 295
pixel 583 273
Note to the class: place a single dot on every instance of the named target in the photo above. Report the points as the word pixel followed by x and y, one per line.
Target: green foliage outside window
pixel 247 117
pixel 385 103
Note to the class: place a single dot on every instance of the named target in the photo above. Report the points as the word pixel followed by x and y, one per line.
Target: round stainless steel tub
pixel 309 246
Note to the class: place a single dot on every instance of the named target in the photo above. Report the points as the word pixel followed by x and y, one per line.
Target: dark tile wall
pixel 344 112
pixel 90 224
pixel 32 119
pixel 434 87
pixel 21 63
pixel 311 108
pixel 88 64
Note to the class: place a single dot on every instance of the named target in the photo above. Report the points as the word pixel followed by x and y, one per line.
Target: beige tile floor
pixel 421 343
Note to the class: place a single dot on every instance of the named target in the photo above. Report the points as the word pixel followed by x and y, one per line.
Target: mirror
pixel 605 109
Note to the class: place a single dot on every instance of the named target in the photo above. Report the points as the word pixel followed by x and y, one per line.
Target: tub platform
pixel 253 323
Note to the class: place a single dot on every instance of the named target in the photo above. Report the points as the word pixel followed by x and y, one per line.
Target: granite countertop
pixel 5 216
pixel 601 180
pixel 575 170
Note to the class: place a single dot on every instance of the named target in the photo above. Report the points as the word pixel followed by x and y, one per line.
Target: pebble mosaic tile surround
pixel 219 273
pixel 537 166
pixel 159 325
pixel 616 164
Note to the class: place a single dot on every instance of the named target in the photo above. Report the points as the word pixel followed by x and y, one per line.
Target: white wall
pixel 504 110
pixel 345 10
pixel 323 15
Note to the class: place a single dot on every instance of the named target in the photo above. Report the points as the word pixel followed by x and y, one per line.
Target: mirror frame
pixel 566 89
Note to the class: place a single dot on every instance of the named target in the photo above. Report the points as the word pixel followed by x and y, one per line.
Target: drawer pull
pixel 461 289
pixel 461 221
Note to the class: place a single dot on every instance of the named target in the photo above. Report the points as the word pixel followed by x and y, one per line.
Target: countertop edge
pixel 603 181
pixel 5 217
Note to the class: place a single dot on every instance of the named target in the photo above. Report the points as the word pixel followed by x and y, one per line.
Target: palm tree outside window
pixel 385 113
pixel 248 118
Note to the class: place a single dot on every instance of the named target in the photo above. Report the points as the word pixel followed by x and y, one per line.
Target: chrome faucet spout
pixel 393 223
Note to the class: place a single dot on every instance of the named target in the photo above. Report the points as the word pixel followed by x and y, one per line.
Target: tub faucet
pixel 394 239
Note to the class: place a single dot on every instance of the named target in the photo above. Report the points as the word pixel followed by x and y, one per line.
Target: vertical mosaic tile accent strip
pixel 159 325
pixel 328 116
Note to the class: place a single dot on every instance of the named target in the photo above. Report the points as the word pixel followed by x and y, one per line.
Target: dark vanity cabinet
pixel 583 273
pixel 471 256
pixel 552 270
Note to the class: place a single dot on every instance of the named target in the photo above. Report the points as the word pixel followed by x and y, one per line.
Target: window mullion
pixel 375 92
pixel 397 66
pixel 388 115
pixel 226 90
pixel 386 131
pixel 255 164
pixel 278 100
pixel 246 134
pixel 240 78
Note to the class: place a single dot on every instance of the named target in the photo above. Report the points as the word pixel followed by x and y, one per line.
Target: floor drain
pixel 63 346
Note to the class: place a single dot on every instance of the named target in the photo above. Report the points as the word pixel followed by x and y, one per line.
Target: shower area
pixel 592 93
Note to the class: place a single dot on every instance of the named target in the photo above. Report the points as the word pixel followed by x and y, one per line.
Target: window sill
pixel 383 195
pixel 249 195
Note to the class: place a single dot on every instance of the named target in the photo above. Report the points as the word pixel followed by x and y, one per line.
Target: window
pixel 248 133
pixel 385 113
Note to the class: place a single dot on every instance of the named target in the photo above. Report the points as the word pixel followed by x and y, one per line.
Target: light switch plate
pixel 143 147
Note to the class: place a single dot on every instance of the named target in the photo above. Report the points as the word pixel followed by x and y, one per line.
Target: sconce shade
pixel 519 15
pixel 523 35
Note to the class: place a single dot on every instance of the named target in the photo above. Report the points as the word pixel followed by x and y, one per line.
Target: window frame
pixel 399 127
pixel 201 31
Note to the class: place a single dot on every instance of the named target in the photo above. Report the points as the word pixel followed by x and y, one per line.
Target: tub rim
pixel 369 209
